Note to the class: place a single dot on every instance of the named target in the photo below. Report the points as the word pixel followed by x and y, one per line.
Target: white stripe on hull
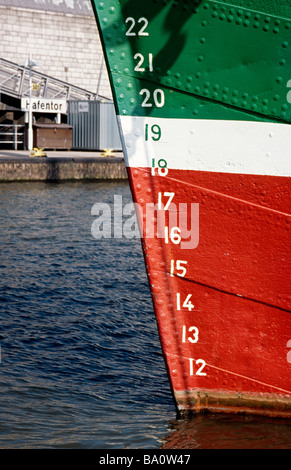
pixel 247 147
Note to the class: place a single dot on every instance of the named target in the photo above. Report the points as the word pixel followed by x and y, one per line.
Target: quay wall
pixel 61 169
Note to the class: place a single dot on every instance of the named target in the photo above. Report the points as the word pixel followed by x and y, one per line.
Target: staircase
pixel 14 82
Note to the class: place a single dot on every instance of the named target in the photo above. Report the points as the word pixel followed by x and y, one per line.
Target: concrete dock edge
pixel 26 168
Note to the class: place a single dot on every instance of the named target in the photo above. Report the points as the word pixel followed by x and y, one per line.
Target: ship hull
pixel 206 145
pixel 226 347
pixel 220 284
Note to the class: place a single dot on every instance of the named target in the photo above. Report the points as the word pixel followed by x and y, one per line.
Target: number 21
pixel 140 58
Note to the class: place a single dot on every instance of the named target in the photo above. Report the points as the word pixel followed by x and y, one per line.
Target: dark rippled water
pixel 81 364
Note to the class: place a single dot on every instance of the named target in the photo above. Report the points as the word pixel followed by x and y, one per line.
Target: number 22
pixel 141 32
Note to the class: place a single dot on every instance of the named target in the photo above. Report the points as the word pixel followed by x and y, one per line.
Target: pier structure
pixel 53 75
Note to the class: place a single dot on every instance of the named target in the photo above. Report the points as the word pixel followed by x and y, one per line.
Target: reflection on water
pixel 81 364
pixel 209 431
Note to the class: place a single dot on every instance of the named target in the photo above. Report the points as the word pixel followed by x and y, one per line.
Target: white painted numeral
pixel 175 236
pixel 140 58
pixel 186 304
pixel 142 31
pixel 129 31
pixel 147 94
pixel 199 371
pixel 178 267
pixel 170 197
pixel 158 98
pixel 151 67
pixel 194 338
pixel 138 67
pixel 289 352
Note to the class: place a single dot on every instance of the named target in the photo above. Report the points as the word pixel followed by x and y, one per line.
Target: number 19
pixel 154 132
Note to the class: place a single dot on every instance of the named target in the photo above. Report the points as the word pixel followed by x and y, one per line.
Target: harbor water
pixel 81 363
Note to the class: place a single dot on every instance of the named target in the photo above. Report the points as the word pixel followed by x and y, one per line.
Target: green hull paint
pixel 210 59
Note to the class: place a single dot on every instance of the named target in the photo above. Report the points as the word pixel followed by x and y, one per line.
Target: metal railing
pixel 12 134
pixel 14 81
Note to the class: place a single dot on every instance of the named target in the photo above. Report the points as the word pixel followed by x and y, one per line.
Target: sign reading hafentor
pixel 44 105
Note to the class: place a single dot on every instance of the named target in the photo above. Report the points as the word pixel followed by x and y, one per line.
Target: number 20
pixel 158 98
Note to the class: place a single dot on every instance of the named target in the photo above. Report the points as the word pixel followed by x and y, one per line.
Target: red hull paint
pixel 238 277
